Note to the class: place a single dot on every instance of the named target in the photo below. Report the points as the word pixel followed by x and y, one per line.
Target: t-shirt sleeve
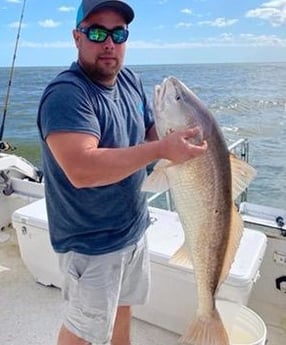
pixel 66 107
pixel 148 111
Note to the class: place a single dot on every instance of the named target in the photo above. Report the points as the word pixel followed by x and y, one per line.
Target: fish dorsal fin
pixel 236 232
pixel 182 256
pixel 157 181
pixel 242 175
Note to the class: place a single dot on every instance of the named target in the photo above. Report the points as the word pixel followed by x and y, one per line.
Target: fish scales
pixel 203 202
pixel 203 190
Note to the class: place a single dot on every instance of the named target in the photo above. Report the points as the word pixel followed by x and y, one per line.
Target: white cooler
pixel 173 297
pixel 31 226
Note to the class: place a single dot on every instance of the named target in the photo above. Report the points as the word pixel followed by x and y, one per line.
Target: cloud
pixel 47 45
pixel 263 40
pixel 219 22
pixel 14 1
pixel 49 23
pixel 187 11
pixel 274 12
pixel 15 25
pixel 183 25
pixel 160 27
pixel 161 45
pixel 66 9
pixel 248 40
pixel 223 40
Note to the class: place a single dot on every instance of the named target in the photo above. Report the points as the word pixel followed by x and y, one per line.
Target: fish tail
pixel 206 330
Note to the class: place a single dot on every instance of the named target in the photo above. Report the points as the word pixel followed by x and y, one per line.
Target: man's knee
pixel 66 337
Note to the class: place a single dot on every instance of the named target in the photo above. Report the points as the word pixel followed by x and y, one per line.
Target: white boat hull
pixel 261 295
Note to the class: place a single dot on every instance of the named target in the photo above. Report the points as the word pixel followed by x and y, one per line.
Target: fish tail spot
pixel 206 330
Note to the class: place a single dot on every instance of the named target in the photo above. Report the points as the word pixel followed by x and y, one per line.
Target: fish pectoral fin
pixel 236 232
pixel 242 174
pixel 157 181
pixel 182 257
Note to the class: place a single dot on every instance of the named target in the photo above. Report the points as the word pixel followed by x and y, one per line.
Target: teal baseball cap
pixel 89 6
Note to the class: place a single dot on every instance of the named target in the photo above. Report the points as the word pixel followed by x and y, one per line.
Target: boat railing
pixel 164 199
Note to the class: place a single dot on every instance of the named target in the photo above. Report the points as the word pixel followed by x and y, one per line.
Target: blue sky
pixel 163 32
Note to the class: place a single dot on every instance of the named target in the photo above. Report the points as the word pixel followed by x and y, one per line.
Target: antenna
pixel 11 72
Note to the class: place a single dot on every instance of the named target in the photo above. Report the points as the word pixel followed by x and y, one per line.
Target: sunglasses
pixel 99 34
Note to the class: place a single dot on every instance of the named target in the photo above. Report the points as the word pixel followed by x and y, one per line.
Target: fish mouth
pixel 164 92
pixel 176 109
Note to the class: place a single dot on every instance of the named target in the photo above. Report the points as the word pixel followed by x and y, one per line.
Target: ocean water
pixel 248 101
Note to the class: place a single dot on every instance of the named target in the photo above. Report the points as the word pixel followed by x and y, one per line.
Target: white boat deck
pixel 31 314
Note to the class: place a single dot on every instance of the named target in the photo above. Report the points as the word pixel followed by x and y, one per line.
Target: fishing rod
pixel 11 73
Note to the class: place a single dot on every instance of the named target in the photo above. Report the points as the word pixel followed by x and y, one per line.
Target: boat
pixel 30 298
pixel 252 300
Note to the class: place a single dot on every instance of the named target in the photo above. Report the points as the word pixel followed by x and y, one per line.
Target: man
pixel 98 135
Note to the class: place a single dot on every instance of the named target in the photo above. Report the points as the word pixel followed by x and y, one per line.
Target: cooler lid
pixel 166 235
pixel 34 214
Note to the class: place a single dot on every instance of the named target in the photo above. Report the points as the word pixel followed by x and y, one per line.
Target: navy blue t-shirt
pixel 101 219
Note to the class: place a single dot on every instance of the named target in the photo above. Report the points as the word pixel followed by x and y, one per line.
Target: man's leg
pixel 134 290
pixel 68 338
pixel 121 332
pixel 122 326
pixel 92 284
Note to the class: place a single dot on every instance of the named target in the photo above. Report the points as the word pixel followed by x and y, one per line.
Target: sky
pixel 163 32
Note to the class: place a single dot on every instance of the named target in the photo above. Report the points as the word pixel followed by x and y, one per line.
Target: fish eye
pixel 178 98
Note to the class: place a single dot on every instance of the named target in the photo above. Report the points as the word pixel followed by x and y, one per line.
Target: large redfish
pixel 203 190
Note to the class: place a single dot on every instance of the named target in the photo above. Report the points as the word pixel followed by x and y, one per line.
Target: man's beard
pixel 101 73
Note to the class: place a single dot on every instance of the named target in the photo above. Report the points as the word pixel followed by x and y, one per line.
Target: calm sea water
pixel 248 101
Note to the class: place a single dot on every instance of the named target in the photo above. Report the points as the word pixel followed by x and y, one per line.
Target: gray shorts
pixel 96 285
